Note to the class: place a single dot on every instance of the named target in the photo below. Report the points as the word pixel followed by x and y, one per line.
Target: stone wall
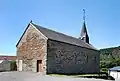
pixel 31 48
pixel 66 58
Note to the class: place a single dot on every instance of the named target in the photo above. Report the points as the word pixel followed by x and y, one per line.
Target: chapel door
pixel 39 65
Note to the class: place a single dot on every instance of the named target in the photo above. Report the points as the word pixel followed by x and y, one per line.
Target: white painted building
pixel 114 72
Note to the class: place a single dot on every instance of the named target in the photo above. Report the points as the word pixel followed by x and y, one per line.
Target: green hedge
pixel 13 66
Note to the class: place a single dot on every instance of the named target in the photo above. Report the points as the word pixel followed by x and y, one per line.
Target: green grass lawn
pixel 102 75
pixel 76 75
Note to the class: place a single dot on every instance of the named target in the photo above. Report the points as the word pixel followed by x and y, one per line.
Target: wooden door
pixel 39 65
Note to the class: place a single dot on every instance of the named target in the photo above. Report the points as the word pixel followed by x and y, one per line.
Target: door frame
pixel 39 65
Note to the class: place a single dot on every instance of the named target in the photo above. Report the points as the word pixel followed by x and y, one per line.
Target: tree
pixel 13 66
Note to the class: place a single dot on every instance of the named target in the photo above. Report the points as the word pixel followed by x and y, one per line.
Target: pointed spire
pixel 84 36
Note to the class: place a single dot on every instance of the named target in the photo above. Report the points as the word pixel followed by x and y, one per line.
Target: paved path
pixel 29 76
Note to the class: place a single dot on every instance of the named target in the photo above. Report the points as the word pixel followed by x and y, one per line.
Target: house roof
pixel 117 68
pixel 50 34
pixel 8 57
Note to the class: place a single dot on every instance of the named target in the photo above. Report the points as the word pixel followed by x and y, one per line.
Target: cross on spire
pixel 84 14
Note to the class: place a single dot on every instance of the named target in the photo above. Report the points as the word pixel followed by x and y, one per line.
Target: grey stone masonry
pixel 66 58
pixel 46 51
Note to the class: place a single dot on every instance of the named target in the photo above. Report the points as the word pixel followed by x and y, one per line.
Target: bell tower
pixel 84 35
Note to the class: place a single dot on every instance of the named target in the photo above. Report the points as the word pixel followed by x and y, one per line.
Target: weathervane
pixel 84 14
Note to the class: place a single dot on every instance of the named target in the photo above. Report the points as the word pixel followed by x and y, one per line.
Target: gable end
pixel 29 25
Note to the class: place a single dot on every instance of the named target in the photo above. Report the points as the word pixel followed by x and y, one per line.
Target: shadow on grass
pixel 101 75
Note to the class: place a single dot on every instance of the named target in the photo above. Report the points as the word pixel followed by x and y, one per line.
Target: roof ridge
pixel 56 31
pixel 73 40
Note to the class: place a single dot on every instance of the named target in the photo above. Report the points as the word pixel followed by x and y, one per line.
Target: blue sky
pixel 102 20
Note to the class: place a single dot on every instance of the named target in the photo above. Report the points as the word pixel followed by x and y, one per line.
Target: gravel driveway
pixel 30 76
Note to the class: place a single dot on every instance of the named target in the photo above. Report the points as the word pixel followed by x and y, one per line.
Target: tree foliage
pixel 109 57
pixel 13 66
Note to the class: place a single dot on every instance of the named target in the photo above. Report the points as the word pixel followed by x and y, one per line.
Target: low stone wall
pixel 5 65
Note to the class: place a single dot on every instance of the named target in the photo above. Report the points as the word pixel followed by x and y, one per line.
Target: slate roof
pixel 53 35
pixel 84 36
pixel 84 29
pixel 117 68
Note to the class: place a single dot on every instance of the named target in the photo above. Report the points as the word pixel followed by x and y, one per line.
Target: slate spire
pixel 84 35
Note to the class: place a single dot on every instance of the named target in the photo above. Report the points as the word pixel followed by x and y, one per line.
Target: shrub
pixel 13 66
